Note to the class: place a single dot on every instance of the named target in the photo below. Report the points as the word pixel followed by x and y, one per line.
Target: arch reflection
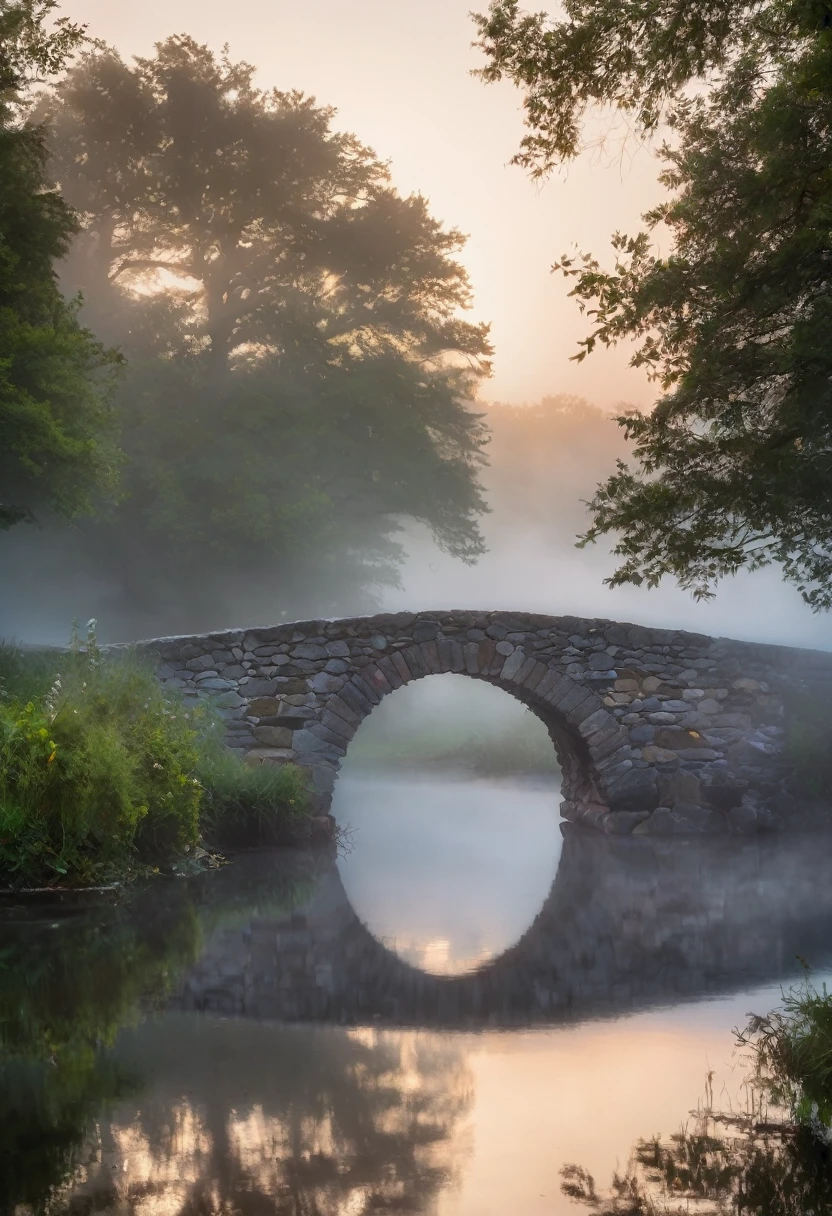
pixel 450 794
pixel 626 925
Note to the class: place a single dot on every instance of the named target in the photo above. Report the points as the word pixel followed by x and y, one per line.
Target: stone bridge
pixel 657 731
pixel 627 925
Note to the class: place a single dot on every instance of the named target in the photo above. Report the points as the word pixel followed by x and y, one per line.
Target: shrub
pixel 96 773
pixel 100 770
pixel 792 1051
pixel 242 805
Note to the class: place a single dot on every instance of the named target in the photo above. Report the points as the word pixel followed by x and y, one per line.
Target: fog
pixel 411 96
pixel 545 459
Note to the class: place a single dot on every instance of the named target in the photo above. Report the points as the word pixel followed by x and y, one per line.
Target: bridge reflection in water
pixel 628 925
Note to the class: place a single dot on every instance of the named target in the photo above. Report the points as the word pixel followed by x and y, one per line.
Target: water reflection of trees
pixel 286 1120
pixel 69 983
pixel 67 987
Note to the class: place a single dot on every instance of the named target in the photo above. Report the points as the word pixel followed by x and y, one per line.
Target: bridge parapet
pixel 657 731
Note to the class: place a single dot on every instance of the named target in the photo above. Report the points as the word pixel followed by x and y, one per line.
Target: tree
pixel 57 448
pixel 302 377
pixel 733 467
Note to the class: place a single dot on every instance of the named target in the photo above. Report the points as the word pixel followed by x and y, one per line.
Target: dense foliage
pixel 245 806
pixel 102 773
pixel 57 446
pixel 96 767
pixel 300 375
pixel 732 467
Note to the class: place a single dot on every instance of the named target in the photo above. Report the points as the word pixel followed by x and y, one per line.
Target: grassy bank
pixel 102 774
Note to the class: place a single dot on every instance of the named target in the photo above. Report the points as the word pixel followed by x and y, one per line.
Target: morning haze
pixel 409 94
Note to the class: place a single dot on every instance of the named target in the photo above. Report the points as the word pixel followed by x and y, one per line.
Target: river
pixel 465 1002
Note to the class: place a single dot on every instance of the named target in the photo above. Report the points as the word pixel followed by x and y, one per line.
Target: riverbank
pixel 106 777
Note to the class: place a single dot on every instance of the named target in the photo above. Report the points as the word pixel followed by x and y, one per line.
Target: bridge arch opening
pixel 451 723
pixel 449 793
pixel 585 736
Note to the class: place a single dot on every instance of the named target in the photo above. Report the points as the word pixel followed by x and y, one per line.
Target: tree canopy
pixel 57 447
pixel 301 374
pixel 733 467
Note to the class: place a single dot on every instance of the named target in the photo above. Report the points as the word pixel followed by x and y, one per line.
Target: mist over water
pixel 448 798
pixel 544 462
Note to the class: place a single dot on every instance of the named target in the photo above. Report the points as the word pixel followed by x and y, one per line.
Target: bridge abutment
pixel 658 732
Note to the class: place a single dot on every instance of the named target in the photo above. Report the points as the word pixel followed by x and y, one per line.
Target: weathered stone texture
pixel 657 731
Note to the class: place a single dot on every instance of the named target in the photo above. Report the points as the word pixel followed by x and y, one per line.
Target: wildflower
pixel 51 699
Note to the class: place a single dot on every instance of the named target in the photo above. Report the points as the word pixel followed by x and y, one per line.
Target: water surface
pixel 448 870
pixel 436 1022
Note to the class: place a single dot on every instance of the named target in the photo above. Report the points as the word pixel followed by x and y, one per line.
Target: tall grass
pixel 792 1052
pixel 243 805
pixel 101 772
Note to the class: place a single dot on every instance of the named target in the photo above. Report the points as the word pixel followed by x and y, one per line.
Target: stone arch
pixel 659 732
pixel 588 741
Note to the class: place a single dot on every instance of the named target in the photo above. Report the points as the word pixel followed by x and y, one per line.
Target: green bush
pixel 792 1052
pixel 244 805
pixel 96 772
pixel 101 771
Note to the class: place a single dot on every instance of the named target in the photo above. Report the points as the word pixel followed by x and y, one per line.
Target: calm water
pixel 438 1022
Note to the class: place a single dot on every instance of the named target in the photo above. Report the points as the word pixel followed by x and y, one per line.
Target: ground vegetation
pixel 103 775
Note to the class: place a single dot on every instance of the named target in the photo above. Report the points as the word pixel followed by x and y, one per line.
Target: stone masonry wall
pixel 657 731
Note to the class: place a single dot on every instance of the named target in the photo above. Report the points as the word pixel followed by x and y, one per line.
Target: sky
pixel 399 74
